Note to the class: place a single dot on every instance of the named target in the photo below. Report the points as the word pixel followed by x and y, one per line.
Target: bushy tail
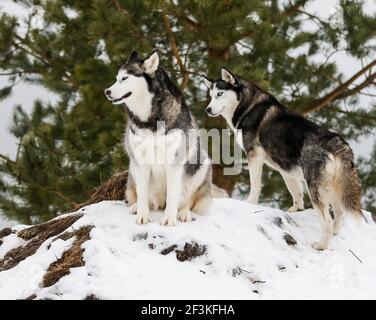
pixel 203 199
pixel 347 182
pixel 217 192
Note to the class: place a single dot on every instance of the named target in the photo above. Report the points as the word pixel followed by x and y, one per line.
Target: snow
pixel 246 258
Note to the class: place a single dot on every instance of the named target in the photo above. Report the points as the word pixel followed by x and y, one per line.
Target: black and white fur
pixel 296 147
pixel 177 181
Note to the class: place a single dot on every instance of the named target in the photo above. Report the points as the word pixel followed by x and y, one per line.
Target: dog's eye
pixel 219 93
pixel 124 78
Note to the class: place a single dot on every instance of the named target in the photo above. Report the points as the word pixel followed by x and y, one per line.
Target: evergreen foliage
pixel 74 48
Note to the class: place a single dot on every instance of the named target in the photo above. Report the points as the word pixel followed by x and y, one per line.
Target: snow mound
pixel 236 251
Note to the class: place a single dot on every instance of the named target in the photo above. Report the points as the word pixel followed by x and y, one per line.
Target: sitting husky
pixel 299 149
pixel 168 168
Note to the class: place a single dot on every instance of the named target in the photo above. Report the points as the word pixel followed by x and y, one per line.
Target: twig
pixel 294 7
pixel 175 51
pixel 257 281
pixel 242 270
pixel 357 89
pixel 340 90
pixel 59 194
pixel 355 256
pixel 12 73
pixel 7 159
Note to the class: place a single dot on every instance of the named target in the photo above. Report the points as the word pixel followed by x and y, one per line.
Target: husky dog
pixel 168 168
pixel 299 149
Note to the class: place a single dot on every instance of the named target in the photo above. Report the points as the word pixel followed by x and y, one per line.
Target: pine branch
pixel 175 50
pixel 137 33
pixel 367 94
pixel 120 8
pixel 357 89
pixel 13 73
pixel 60 195
pixel 294 8
pixel 30 51
pixel 355 114
pixel 42 58
pixel 341 91
pixel 7 159
pixel 193 26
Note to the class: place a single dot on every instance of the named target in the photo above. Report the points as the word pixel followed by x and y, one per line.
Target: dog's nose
pixel 208 109
pixel 107 92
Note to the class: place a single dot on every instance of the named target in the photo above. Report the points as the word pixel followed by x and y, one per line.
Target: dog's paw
pixel 319 246
pixel 184 216
pixel 142 219
pixel 168 221
pixel 295 208
pixel 133 208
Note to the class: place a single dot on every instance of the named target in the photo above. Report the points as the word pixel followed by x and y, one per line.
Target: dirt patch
pixel 281 268
pixel 168 249
pixel 37 235
pixel 291 221
pixel 290 240
pixel 72 258
pixel 50 228
pixel 262 230
pixel 5 232
pixel 278 221
pixel 140 236
pixel 190 251
pixel 111 189
pixel 91 297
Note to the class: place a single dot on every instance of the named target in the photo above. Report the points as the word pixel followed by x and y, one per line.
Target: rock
pixel 290 240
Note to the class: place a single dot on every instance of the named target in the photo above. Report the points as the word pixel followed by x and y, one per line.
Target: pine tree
pixel 69 147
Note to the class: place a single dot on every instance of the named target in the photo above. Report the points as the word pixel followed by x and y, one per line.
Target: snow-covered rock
pixel 236 251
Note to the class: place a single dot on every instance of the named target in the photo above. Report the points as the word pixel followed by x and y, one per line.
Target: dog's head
pixel 225 94
pixel 132 79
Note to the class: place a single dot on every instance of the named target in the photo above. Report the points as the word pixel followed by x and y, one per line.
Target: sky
pixel 26 94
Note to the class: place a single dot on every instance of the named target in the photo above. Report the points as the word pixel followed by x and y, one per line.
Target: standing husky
pixel 168 168
pixel 291 144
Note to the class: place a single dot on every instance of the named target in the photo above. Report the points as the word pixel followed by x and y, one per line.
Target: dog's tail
pixel 217 192
pixel 346 181
pixel 202 204
pixel 203 199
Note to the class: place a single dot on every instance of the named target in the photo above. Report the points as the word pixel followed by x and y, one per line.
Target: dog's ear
pixel 207 82
pixel 133 56
pixel 151 63
pixel 227 76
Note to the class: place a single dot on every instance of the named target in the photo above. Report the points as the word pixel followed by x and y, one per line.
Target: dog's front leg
pixel 142 175
pixel 174 176
pixel 255 163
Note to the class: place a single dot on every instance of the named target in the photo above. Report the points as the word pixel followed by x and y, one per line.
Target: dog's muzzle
pixel 209 111
pixel 107 92
pixel 123 97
